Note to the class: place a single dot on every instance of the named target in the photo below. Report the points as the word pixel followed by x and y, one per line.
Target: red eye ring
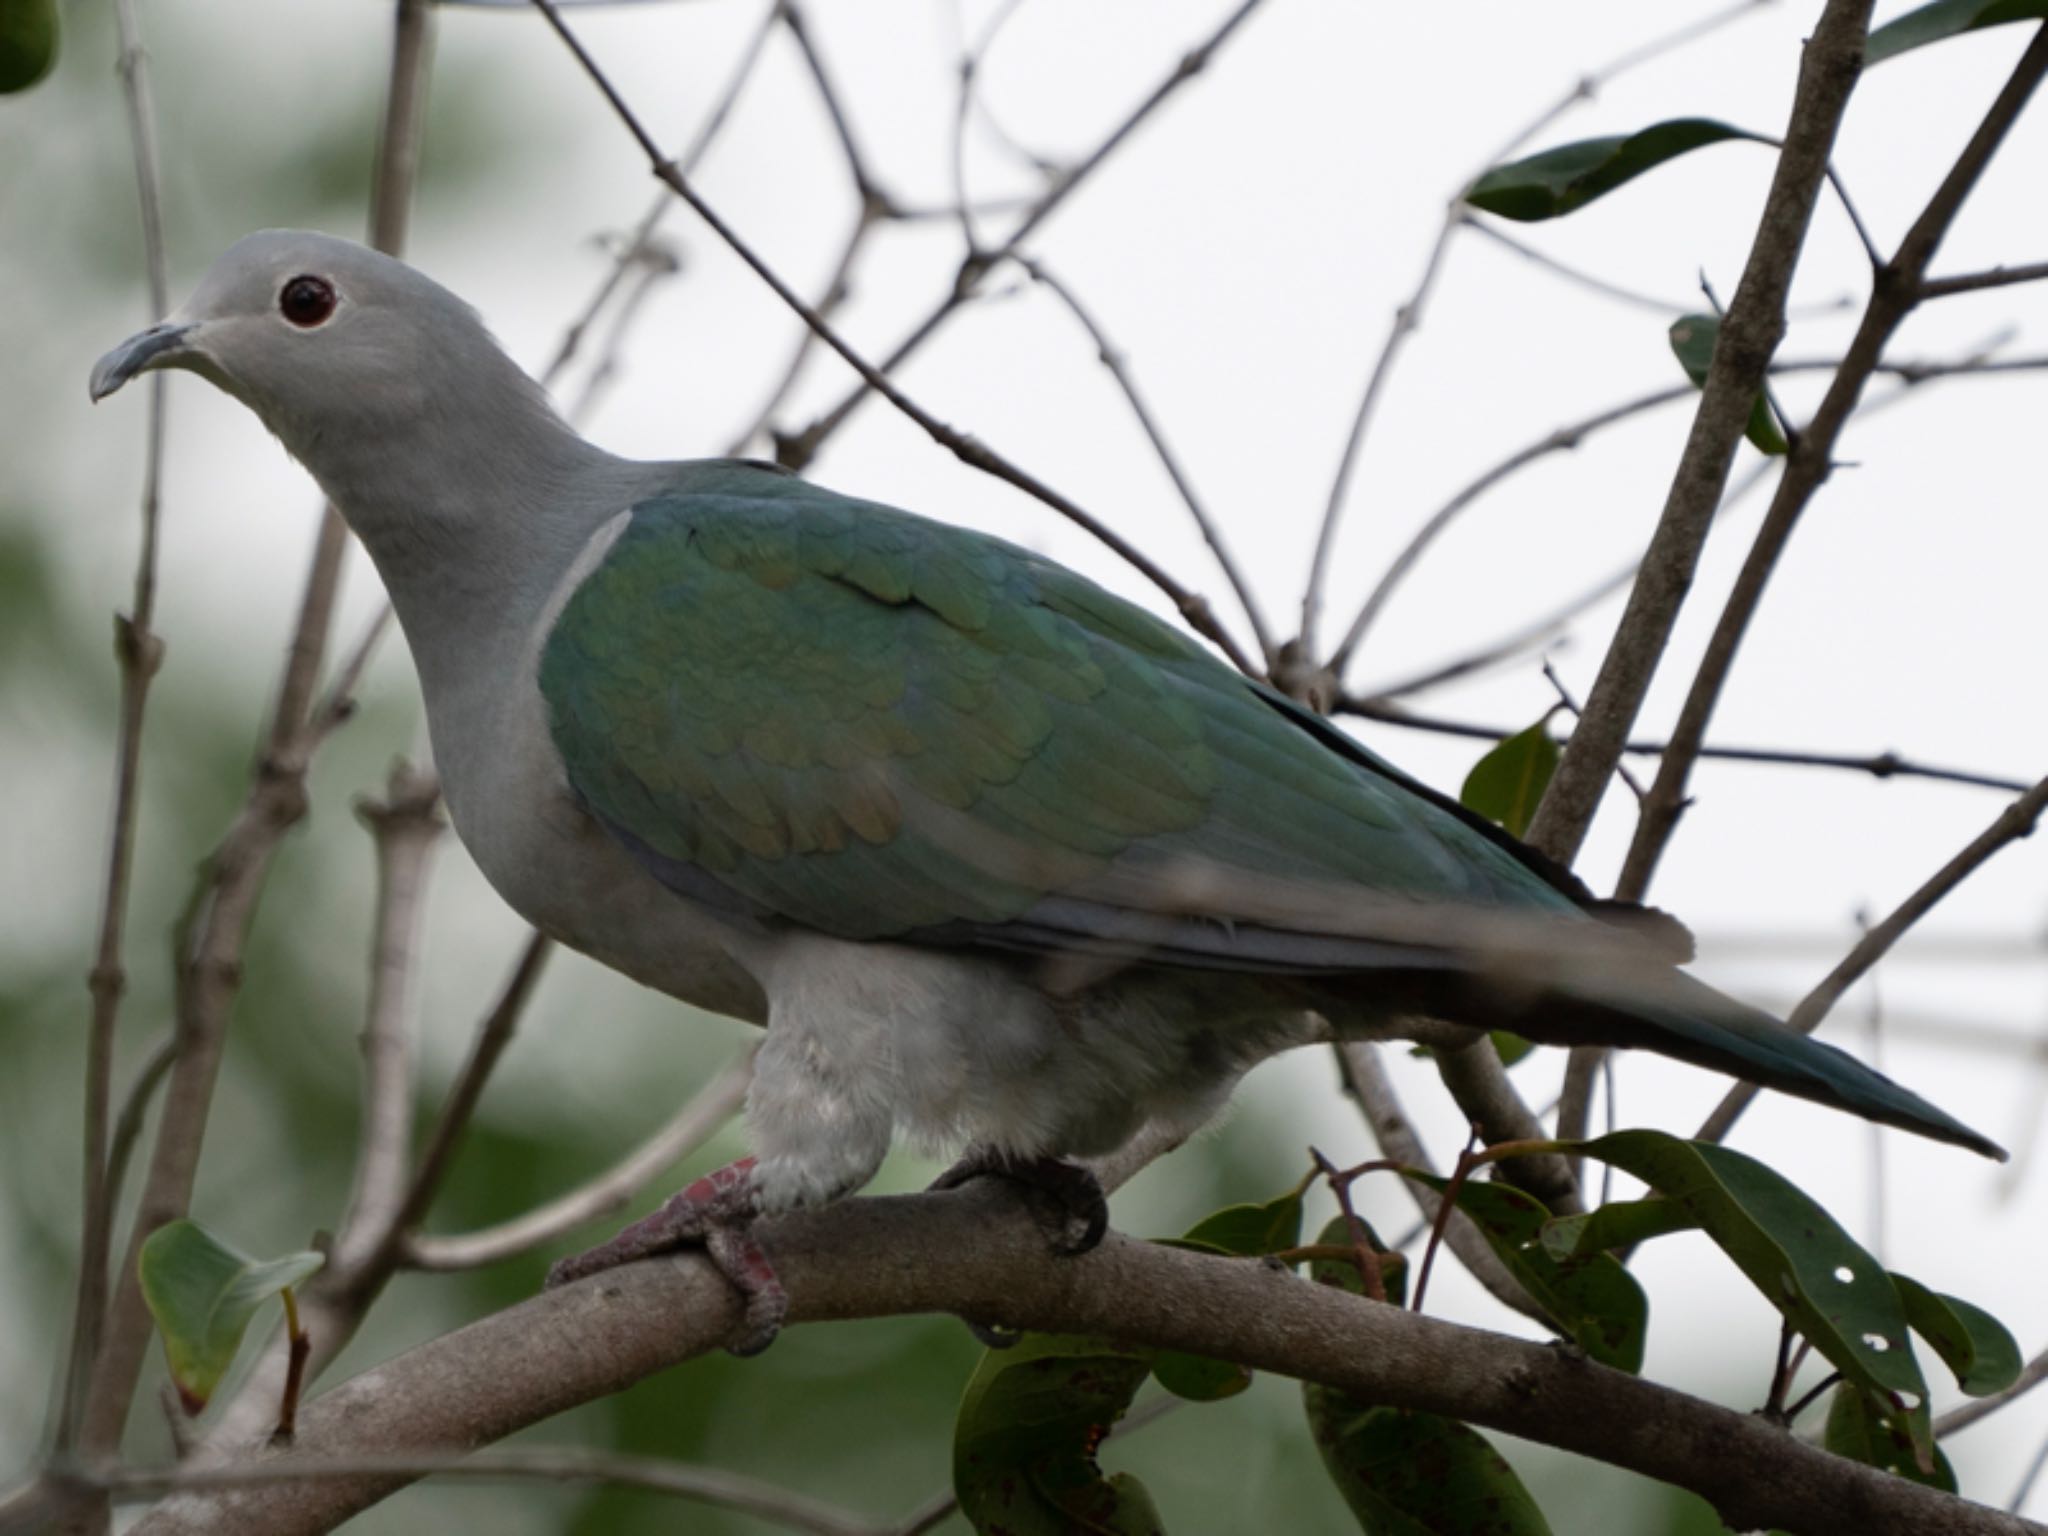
pixel 306 300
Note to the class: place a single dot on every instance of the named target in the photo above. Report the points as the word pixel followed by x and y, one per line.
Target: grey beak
pixel 140 352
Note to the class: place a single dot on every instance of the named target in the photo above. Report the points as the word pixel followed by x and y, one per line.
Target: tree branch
pixel 1749 335
pixel 212 935
pixel 975 1252
pixel 1193 607
pixel 1892 298
pixel 138 653
pixel 2016 821
pixel 700 1118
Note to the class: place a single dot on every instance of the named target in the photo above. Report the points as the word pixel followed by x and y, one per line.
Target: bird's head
pixel 315 334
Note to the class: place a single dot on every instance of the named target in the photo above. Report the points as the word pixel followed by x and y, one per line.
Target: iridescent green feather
pixel 872 724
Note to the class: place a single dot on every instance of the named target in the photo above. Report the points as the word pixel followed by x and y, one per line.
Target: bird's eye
pixel 306 300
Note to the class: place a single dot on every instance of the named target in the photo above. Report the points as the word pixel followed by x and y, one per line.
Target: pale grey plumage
pixel 485 514
pixel 482 509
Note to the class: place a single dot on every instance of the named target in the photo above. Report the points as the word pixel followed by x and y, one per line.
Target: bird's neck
pixel 471 509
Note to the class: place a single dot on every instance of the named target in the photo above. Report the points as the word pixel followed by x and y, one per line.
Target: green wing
pixel 879 726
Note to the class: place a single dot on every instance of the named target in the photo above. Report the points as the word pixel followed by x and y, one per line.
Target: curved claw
pixel 1065 1199
pixel 716 1211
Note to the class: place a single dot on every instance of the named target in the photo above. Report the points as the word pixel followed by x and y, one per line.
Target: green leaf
pixel 1858 1431
pixel 1414 1474
pixel 1510 1046
pixel 1558 181
pixel 1593 1300
pixel 1970 1341
pixel 1945 19
pixel 1025 1440
pixel 28 42
pixel 1617 1224
pixel 1828 1288
pixel 1336 1233
pixel 1692 340
pixel 1507 784
pixel 202 1294
pixel 1236 1231
pixel 1408 1474
pixel 1246 1231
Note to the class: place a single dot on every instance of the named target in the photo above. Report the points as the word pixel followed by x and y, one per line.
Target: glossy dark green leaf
pixel 1511 1046
pixel 1692 341
pixel 1617 1224
pixel 1557 181
pixel 28 42
pixel 1025 1440
pixel 1945 19
pixel 1507 784
pixel 1236 1231
pixel 1970 1341
pixel 1246 1231
pixel 1827 1286
pixel 1408 1474
pixel 1858 1431
pixel 1593 1300
pixel 202 1294
pixel 1414 1474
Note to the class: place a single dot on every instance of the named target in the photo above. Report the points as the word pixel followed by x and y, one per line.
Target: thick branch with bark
pixel 974 1252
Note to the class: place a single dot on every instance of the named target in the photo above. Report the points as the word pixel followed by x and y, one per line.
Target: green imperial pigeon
pixel 999 859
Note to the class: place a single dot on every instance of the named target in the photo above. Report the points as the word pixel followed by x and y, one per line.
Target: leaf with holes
pixel 1858 1431
pixel 1970 1341
pixel 1617 1224
pixel 1827 1286
pixel 1945 19
pixel 1025 1440
pixel 1236 1231
pixel 202 1294
pixel 1594 1301
pixel 1558 181
pixel 1507 784
pixel 1692 342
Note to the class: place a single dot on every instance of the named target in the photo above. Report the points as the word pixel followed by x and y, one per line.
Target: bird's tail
pixel 1674 1014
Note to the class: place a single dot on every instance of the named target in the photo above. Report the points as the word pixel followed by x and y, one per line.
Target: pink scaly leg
pixel 717 1211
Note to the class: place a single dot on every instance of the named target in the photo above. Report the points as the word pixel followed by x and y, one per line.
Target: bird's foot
pixel 717 1211
pixel 1065 1199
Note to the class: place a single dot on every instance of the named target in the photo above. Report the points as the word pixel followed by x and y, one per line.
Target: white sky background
pixel 1247 252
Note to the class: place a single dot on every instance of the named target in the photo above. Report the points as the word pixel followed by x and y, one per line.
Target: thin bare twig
pixel 1976 282
pixel 1571 274
pixel 1193 607
pixel 138 652
pixel 696 1122
pixel 1883 765
pixel 211 937
pixel 1827 75
pixel 492 1036
pixel 1892 298
pixel 1563 439
pixel 406 825
pixel 1365 1078
pixel 798 448
pixel 834 295
pixel 1119 369
pixel 628 252
pixel 2013 823
pixel 1408 316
